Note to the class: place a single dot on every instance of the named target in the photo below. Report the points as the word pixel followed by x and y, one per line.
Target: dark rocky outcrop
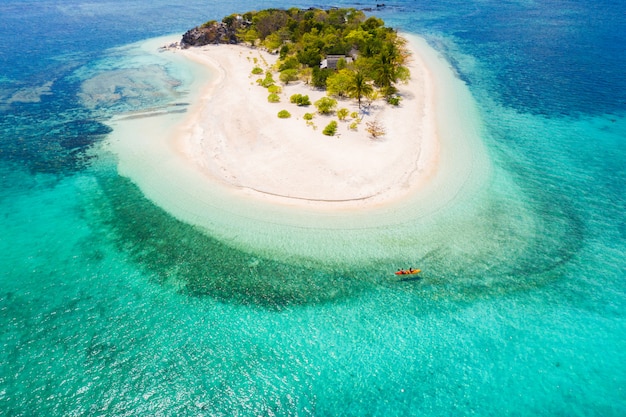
pixel 210 33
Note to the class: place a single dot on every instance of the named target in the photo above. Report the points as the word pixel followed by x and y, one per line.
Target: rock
pixel 209 33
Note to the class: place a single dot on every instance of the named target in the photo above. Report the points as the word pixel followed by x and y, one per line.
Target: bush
pixel 326 105
pixel 289 75
pixel 275 89
pixel 394 100
pixel 284 114
pixel 268 80
pixel 354 125
pixel 300 100
pixel 343 113
pixel 375 129
pixel 307 116
pixel 355 115
pixel 257 70
pixel 273 98
pixel 330 129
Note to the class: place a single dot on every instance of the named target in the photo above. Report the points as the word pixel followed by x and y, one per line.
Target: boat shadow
pixel 409 279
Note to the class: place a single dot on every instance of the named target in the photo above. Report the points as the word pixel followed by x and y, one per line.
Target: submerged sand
pixel 271 185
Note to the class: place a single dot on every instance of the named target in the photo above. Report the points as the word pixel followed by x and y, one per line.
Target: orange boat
pixel 409 271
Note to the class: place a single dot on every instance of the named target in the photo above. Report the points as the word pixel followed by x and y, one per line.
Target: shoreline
pixel 165 157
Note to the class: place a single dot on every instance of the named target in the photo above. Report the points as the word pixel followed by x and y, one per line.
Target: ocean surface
pixel 111 307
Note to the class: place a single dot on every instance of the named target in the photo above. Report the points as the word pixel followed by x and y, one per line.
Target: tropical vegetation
pixel 331 128
pixel 371 56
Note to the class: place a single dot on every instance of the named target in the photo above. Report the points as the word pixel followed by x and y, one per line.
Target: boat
pixel 409 271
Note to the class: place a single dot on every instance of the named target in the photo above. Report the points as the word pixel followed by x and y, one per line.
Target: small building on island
pixel 331 61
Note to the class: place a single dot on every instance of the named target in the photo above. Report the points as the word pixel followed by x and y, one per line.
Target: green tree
pixel 310 57
pixel 359 87
pixel 273 41
pixel 288 75
pixel 290 62
pixel 384 73
pixel 249 35
pixel 387 69
pixel 326 105
pixel 319 76
pixel 339 82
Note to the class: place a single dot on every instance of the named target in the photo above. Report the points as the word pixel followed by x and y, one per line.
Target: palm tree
pixel 359 87
pixel 385 71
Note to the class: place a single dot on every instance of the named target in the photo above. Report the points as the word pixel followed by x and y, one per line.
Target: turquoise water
pixel 112 307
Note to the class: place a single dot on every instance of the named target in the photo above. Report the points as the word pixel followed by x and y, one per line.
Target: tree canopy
pixel 374 55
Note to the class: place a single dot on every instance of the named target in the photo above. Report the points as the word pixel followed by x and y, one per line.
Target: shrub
pixel 308 116
pixel 354 115
pixel 275 89
pixel 273 98
pixel 257 70
pixel 354 125
pixel 342 113
pixel 375 129
pixel 394 100
pixel 289 75
pixel 326 105
pixel 268 80
pixel 330 129
pixel 300 100
pixel 284 114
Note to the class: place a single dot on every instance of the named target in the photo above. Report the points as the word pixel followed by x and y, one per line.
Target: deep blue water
pixel 111 307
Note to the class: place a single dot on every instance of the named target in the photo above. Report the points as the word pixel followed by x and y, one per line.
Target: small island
pixel 249 158
pixel 290 78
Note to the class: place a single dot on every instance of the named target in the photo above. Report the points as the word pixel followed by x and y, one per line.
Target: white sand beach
pixel 236 138
pixel 233 168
